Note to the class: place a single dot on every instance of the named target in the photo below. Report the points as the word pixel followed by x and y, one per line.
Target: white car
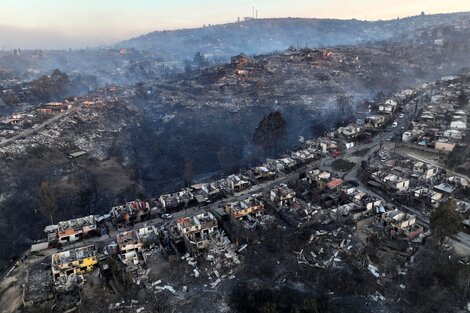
pixel 401 115
pixel 395 124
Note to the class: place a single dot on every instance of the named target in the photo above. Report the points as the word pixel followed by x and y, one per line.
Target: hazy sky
pixel 82 23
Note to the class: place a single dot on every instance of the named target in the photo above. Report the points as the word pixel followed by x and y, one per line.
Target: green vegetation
pixel 445 221
pixel 53 87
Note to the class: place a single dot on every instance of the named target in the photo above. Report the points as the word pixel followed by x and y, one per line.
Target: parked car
pixel 395 124
pixel 166 216
pixel 401 115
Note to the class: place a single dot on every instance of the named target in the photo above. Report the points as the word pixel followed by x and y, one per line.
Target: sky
pixel 62 24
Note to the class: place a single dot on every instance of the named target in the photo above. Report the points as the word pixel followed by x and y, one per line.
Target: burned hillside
pixel 199 124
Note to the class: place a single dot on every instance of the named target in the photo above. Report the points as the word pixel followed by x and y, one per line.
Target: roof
pixel 77 154
pixel 445 188
pixel 335 183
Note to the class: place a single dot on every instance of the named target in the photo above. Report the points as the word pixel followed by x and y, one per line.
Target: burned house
pixel 130 249
pixel 318 178
pixel 458 181
pixel 281 195
pixel 388 107
pixel 391 181
pixel 305 156
pixel 197 231
pixel 176 200
pixel 284 165
pixel 428 197
pixel 148 237
pixel 55 107
pixel 300 214
pixel 68 267
pixel 262 173
pixel 134 211
pixel 402 223
pixel 244 207
pixel 207 192
pixel 375 121
pixel 236 183
pixel 349 132
pixel 425 170
pixel 73 230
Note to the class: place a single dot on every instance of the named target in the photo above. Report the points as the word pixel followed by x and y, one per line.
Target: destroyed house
pixel 236 183
pixel 197 230
pixel 284 165
pixel 282 195
pixel 388 107
pixel 344 210
pixel 200 194
pixel 67 265
pixel 201 222
pixel 177 199
pixel 262 172
pixel 55 107
pixel 425 170
pixel 130 212
pixel 300 214
pixel 391 181
pixel 305 156
pixel 458 181
pixel 207 191
pixel 375 121
pixel 318 177
pixel 399 219
pixel 354 194
pixel 239 60
pixel 72 230
pixel 428 196
pixel 129 248
pixel 148 236
pixel 349 132
pixel 244 207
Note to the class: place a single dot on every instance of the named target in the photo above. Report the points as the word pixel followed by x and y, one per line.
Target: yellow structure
pixel 72 263
pixel 243 208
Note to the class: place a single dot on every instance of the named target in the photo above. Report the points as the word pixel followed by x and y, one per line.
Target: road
pixel 31 131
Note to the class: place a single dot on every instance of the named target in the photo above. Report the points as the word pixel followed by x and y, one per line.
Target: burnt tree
pixel 271 132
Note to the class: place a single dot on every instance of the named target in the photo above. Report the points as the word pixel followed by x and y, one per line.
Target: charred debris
pixel 364 232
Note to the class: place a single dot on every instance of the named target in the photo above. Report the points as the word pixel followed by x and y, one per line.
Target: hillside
pixel 266 35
